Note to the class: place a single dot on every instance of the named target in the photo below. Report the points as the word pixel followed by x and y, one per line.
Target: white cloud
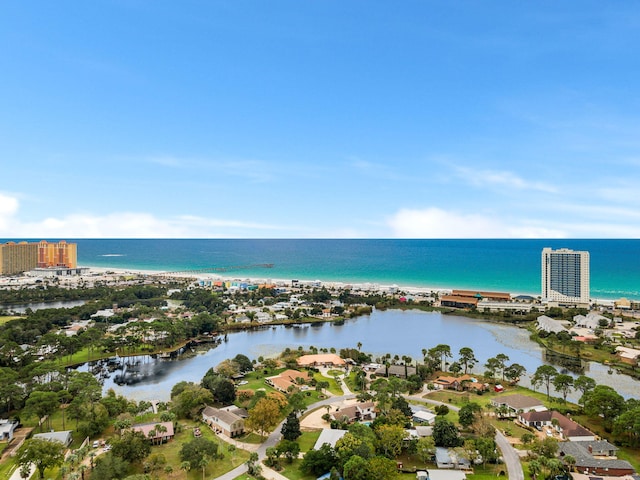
pixel 8 205
pixel 500 178
pixel 121 225
pixel 438 223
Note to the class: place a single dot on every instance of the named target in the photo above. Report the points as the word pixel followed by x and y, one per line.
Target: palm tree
pixel 204 461
pixel 569 461
pixel 160 429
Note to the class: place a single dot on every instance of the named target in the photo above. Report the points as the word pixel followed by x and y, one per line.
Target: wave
pixel 113 255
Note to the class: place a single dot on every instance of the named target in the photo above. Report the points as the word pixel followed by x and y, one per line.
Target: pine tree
pixel 291 428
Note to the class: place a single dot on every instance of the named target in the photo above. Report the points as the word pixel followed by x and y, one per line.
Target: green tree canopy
pixel 42 453
pixel 131 446
pixel 197 450
pixel 291 427
pixel 606 402
pixel 445 433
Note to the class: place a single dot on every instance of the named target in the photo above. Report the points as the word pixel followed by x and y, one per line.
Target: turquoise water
pixel 504 265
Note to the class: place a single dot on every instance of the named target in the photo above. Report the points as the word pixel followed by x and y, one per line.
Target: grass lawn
pixel 171 452
pixel 292 471
pixel 6 467
pixel 460 398
pixel 5 319
pixel 490 472
pixel 307 440
pixel 351 382
pixel 509 427
pixel 333 386
pixel 256 381
pixel 630 455
pixel 250 437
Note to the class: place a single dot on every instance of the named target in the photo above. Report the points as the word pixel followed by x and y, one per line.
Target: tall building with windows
pixel 565 276
pixel 24 256
pixel 18 257
pixel 59 254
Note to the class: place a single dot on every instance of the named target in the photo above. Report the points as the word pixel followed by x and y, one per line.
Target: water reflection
pixel 393 331
pixel 22 307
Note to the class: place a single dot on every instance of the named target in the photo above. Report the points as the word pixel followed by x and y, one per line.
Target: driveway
pixel 274 438
pixel 509 454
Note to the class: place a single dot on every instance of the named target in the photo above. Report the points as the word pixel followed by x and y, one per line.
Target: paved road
pixel 509 454
pixel 16 473
pixel 273 439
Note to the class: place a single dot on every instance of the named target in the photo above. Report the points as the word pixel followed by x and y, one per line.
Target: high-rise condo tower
pixel 565 277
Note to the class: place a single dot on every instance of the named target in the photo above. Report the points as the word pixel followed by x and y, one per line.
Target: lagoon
pixel 391 331
pixel 21 308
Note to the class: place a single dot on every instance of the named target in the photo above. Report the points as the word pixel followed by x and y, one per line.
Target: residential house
pixel 567 428
pixel 463 382
pixel 549 325
pixel 400 371
pixel 628 355
pixel 590 461
pixel 448 459
pixel 518 403
pixel 7 427
pixel 223 421
pixel 330 436
pixel 357 412
pixel 63 437
pixel 160 435
pixel 422 416
pixel 287 379
pixel 321 360
pixel 590 321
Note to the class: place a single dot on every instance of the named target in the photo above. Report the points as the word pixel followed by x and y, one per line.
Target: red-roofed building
pixel 567 428
pixel 161 435
pixel 321 360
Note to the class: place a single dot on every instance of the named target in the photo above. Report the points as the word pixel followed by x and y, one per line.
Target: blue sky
pixel 298 119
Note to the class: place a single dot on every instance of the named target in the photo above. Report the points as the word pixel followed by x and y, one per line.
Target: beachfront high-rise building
pixel 565 276
pixel 18 257
pixel 60 254
pixel 23 256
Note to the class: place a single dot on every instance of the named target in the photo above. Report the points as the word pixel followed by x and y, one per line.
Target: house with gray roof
pixel 446 458
pixel 63 437
pixel 549 325
pixel 330 436
pixel 591 320
pixel 589 463
pixel 518 403
pixel 223 421
pixel 7 427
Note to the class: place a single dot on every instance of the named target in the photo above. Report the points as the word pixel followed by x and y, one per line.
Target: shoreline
pixel 370 286
pixel 376 286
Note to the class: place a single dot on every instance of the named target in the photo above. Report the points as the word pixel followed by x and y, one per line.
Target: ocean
pixel 498 265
